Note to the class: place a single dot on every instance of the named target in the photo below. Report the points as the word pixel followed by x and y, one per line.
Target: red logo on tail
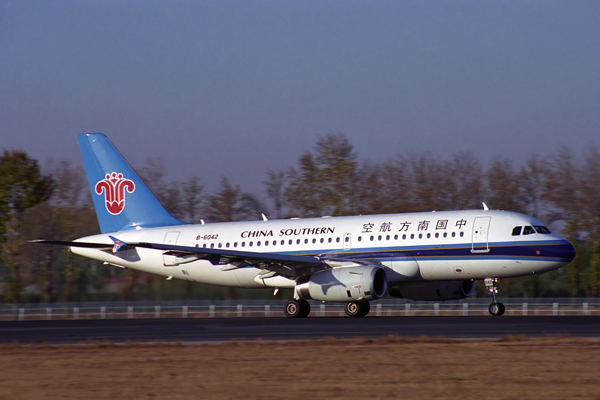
pixel 114 186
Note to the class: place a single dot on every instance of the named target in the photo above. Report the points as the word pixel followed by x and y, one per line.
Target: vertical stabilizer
pixel 121 198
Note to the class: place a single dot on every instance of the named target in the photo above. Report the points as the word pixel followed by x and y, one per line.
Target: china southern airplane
pixel 433 256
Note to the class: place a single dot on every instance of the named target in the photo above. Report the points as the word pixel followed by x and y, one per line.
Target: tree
pixel 503 186
pixel 275 184
pixel 192 198
pixel 231 204
pixel 22 186
pixel 325 183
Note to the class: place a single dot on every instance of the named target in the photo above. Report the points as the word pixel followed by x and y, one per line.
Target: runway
pixel 206 330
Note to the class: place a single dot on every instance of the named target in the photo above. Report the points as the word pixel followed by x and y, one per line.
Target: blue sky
pixel 236 88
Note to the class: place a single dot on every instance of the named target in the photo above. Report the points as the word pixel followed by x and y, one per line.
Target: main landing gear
pixel 357 308
pixel 496 309
pixel 297 309
pixel 300 308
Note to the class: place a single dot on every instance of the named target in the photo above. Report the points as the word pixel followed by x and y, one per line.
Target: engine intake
pixel 430 291
pixel 344 284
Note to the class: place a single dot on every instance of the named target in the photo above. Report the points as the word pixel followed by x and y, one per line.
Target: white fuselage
pixel 430 246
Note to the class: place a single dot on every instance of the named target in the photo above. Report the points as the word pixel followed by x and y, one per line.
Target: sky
pixel 235 88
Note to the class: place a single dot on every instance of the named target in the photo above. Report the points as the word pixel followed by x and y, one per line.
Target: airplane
pixel 430 256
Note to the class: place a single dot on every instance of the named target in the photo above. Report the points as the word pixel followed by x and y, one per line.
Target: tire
pixel 497 309
pixel 305 308
pixel 296 309
pixel 365 308
pixel 293 309
pixel 502 309
pixel 357 308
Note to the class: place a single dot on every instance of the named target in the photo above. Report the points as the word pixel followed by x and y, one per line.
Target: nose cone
pixel 569 251
pixel 563 251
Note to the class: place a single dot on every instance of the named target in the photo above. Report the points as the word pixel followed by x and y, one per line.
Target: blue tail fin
pixel 121 199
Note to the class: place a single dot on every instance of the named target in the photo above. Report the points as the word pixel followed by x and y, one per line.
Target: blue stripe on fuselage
pixel 553 250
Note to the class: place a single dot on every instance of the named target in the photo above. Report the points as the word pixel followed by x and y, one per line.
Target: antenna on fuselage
pixel 485 207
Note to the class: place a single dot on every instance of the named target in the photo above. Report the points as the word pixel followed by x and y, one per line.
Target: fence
pixel 247 308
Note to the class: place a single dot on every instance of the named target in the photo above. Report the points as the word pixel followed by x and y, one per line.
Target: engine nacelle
pixel 344 284
pixel 431 291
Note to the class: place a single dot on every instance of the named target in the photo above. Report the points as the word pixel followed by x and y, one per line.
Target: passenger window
pixel 412 235
pixel 528 230
pixel 314 240
pixel 516 231
pixel 445 234
pixel 404 236
pixel 462 234
pixel 372 237
pixel 360 238
pixel 395 237
pixel 305 241
pixel 258 243
pixel 322 240
pixel 212 245
pixel 437 235
pixel 337 240
pixel 429 236
pixel 243 244
pixel 453 234
pixel 420 236
pixel 387 237
pixel 329 240
pixel 235 244
pixel 379 238
pixel 347 239
pixel 298 241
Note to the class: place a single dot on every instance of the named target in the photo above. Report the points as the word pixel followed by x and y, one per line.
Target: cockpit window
pixel 517 230
pixel 528 230
pixel 541 229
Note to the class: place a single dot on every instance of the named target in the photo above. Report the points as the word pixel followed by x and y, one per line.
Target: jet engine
pixel 344 284
pixel 431 291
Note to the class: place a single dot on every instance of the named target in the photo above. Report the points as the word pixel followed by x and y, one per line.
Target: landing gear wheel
pixel 297 309
pixel 357 308
pixel 305 308
pixel 497 309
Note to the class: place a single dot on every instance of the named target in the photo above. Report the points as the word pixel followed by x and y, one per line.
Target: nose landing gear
pixel 496 309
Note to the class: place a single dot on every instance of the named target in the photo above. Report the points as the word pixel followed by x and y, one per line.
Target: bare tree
pixel 275 184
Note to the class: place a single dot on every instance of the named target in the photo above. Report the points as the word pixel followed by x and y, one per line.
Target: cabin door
pixel 481 228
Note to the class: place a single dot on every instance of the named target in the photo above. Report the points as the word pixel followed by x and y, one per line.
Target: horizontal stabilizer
pixel 74 244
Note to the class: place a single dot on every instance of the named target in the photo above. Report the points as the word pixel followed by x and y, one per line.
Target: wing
pixel 271 264
pixel 288 265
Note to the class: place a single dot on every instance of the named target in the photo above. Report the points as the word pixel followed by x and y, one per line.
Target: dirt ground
pixel 390 368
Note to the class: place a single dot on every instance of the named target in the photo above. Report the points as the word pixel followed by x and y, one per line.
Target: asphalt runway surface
pixel 199 330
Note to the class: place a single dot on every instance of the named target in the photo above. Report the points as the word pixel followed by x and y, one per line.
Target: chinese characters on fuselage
pixel 421 226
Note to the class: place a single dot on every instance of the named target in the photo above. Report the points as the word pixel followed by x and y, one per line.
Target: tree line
pixel 560 189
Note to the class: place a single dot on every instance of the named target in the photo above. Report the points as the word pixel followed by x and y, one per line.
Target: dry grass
pixel 390 368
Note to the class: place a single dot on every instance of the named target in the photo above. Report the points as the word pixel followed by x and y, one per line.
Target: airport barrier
pixel 274 308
